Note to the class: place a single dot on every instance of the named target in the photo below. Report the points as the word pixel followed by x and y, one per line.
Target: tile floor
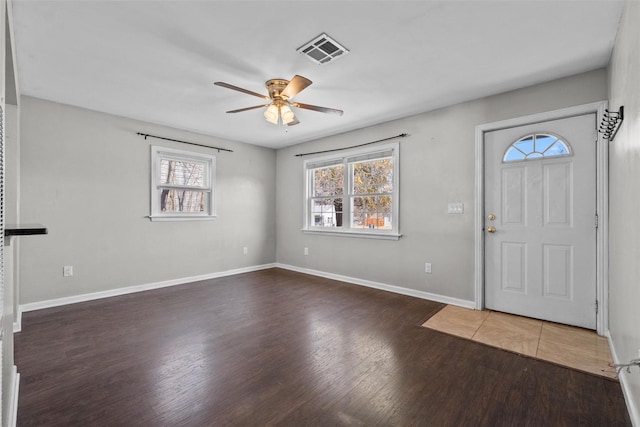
pixel 576 348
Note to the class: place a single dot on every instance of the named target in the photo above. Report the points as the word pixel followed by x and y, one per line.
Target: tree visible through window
pixel 185 174
pixel 372 194
pixel 182 184
pixel 328 189
pixel 356 193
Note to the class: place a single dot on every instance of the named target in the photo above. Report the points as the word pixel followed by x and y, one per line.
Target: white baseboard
pixel 175 282
pixel 138 288
pixel 632 404
pixel 12 410
pixel 383 286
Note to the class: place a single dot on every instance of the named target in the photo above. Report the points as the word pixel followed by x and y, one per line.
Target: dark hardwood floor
pixel 277 347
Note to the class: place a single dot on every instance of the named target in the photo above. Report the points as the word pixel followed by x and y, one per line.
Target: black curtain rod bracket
pixel 402 135
pixel 184 142
pixel 611 121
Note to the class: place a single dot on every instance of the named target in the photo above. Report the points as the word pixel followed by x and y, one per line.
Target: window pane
pixel 543 142
pixel 179 172
pixel 183 201
pixel 326 212
pixel 374 176
pixel 513 154
pixel 557 149
pixel 374 212
pixel 328 181
pixel 525 144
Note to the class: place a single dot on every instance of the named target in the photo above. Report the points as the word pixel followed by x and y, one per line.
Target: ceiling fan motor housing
pixel 275 88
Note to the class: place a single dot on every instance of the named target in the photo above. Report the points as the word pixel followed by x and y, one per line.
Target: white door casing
pixel 541 260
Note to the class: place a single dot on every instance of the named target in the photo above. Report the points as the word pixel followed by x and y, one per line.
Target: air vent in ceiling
pixel 322 49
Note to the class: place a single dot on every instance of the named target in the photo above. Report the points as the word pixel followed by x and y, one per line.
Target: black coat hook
pixel 611 122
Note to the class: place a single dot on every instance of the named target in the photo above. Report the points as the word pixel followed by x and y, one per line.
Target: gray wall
pixel 85 176
pixel 437 166
pixel 624 199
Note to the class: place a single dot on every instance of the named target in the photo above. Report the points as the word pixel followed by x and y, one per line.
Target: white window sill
pixel 182 218
pixel 351 233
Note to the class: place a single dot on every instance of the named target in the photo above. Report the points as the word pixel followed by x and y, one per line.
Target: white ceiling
pixel 157 60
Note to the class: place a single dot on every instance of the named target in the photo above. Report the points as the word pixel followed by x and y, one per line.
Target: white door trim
pixel 602 198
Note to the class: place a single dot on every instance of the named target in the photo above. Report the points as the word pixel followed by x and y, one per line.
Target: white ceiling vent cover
pixel 322 49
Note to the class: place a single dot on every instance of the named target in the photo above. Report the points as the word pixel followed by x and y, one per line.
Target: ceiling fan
pixel 278 110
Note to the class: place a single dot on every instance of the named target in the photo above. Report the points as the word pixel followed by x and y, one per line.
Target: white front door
pixel 540 220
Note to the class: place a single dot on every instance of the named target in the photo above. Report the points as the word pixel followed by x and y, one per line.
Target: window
pixel 535 147
pixel 354 194
pixel 181 185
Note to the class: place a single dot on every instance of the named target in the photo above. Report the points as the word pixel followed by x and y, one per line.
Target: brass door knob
pixel 491 229
pixel 491 217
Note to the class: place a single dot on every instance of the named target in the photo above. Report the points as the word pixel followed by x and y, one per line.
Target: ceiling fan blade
pixel 248 108
pixel 239 89
pixel 316 108
pixel 296 85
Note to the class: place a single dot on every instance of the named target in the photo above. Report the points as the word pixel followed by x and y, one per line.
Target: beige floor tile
pixel 509 332
pixel 462 322
pixel 576 348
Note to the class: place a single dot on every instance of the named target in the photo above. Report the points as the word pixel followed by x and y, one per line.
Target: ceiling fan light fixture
pixel 272 114
pixel 287 115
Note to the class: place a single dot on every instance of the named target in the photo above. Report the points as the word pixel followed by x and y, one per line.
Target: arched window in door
pixel 536 146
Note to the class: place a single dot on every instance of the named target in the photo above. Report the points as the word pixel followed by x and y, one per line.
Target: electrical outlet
pixel 306 251
pixel 67 271
pixel 427 267
pixel 245 250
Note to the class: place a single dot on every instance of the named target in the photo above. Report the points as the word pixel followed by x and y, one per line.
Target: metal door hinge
pixel 596 306
pixel 596 220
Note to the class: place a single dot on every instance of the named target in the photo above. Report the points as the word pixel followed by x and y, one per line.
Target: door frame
pixel 602 202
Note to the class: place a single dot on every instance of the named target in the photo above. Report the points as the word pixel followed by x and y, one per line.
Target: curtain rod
pixel 402 135
pixel 184 142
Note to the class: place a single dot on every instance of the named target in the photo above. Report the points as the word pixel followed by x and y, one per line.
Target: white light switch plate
pixel 455 208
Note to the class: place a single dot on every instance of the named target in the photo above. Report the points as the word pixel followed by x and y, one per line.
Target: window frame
pixel 343 158
pixel 158 153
